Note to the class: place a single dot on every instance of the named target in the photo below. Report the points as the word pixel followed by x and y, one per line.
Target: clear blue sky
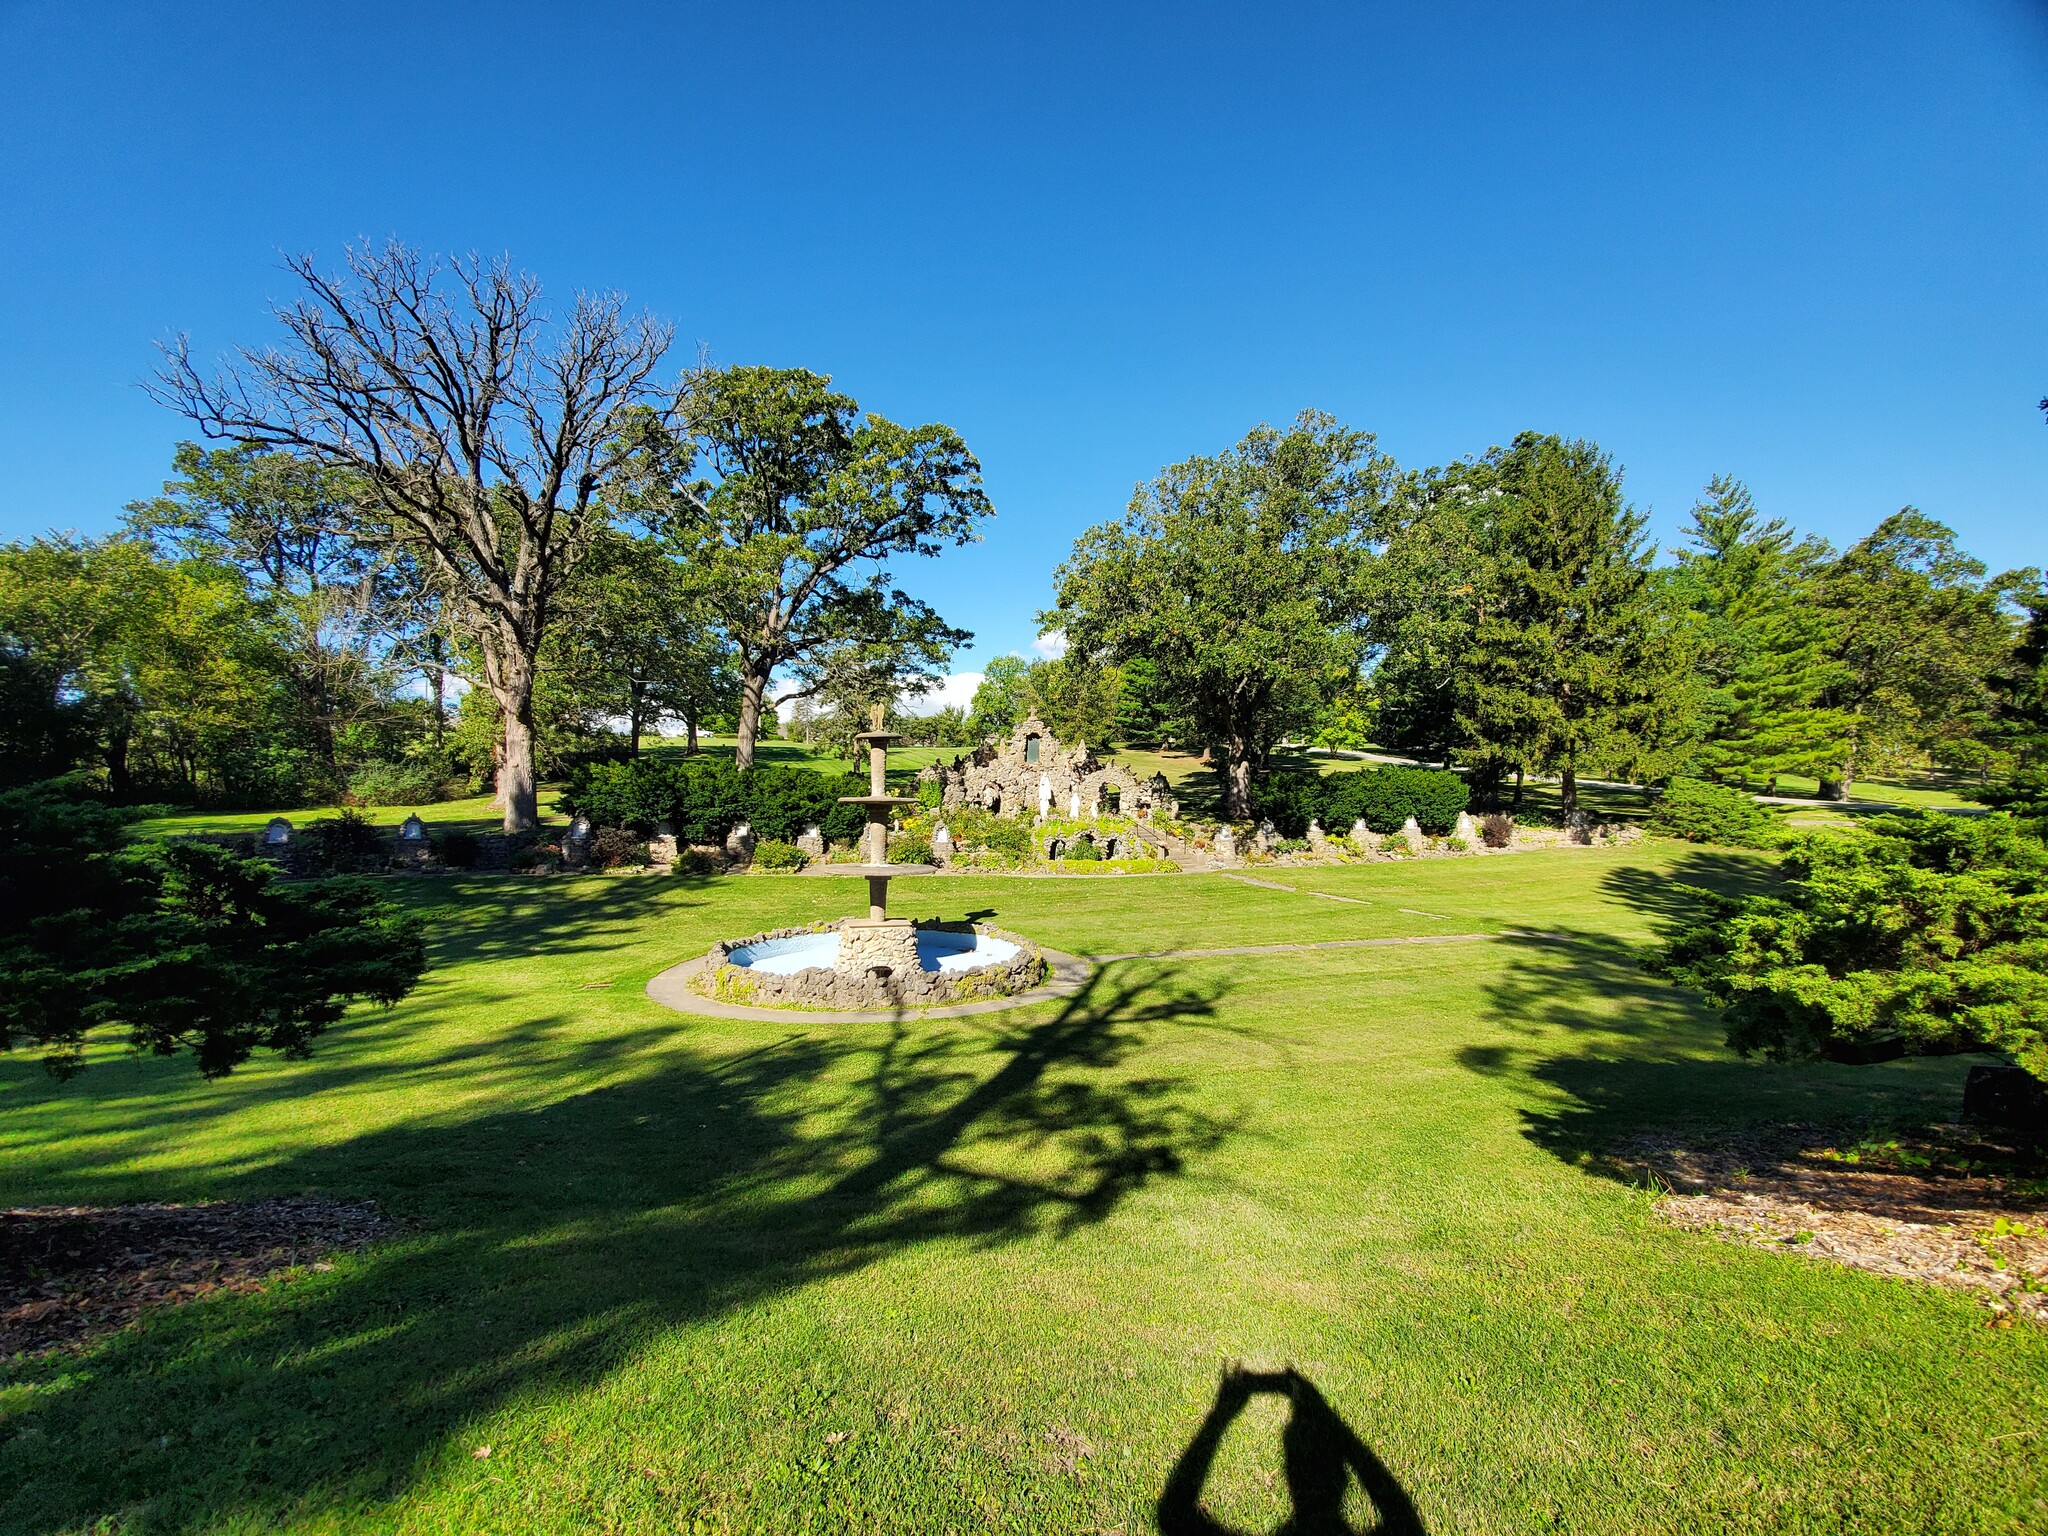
pixel 1803 244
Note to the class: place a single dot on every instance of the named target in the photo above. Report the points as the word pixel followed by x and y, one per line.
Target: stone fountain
pixel 858 966
pixel 877 943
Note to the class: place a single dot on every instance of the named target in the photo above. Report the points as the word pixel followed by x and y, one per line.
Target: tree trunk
pixel 1237 782
pixel 753 689
pixel 1568 788
pixel 119 785
pixel 1518 786
pixel 516 787
pixel 636 694
pixel 691 726
pixel 510 676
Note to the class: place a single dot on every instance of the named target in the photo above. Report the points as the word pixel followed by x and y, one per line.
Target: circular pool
pixel 937 950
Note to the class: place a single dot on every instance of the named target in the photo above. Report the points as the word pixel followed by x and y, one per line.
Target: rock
pixel 1467 830
pixel 1363 837
pixel 1266 837
pixel 812 841
pixel 1411 834
pixel 1318 842
pixel 739 844
pixel 662 848
pixel 1225 842
pixel 576 843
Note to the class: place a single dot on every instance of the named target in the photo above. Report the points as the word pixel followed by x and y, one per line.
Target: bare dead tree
pixel 483 428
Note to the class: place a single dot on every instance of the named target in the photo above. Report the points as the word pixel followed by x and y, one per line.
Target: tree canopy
pixel 1242 579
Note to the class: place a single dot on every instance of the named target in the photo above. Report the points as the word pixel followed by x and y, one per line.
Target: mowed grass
pixel 679 1274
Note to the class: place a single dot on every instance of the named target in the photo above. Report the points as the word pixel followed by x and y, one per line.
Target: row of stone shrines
pixel 1034 772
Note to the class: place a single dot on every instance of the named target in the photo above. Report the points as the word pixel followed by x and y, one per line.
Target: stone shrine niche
pixel 412 830
pixel 1033 769
pixel 278 833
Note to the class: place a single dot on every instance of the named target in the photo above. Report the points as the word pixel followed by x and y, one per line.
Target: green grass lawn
pixel 680 1274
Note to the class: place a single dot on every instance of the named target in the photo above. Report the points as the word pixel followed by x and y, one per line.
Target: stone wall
pixel 913 987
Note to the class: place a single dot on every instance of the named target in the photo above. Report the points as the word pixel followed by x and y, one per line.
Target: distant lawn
pixel 673 1274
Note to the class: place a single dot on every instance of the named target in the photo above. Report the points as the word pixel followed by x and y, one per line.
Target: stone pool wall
pixel 824 988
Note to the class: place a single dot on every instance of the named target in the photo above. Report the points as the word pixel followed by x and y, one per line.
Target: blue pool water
pixel 935 952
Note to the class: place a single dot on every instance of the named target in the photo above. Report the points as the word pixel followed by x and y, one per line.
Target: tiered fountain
pixel 866 964
pixel 877 942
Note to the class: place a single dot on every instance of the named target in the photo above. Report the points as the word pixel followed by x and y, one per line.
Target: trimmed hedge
pixel 704 798
pixel 1384 798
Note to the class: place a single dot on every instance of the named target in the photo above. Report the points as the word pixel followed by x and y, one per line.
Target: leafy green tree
pixel 483 432
pixel 1242 578
pixel 1761 645
pixel 1919 630
pixel 1911 935
pixel 1075 697
pixel 999 705
pixel 773 490
pixel 169 665
pixel 1571 661
pixel 633 643
pixel 184 944
pixel 335 608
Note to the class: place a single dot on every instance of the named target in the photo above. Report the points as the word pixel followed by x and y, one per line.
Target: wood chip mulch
pixel 1945 1205
pixel 69 1274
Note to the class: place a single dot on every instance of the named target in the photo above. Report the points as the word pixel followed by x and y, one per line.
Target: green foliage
pixel 910 848
pixel 1910 935
pixel 1384 798
pixel 773 854
pixel 704 798
pixel 1918 631
pixel 1570 660
pixel 772 490
pixel 998 706
pixel 412 782
pixel 183 944
pixel 1143 719
pixel 1701 812
pixel 345 843
pixel 982 838
pixel 1082 850
pixel 1243 580
pixel 1075 697
pixel 1745 587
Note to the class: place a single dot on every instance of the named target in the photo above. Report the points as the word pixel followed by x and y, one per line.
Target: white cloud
pixel 1051 645
pixel 958 688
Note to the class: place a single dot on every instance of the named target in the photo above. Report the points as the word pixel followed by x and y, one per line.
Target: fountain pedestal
pixel 877 943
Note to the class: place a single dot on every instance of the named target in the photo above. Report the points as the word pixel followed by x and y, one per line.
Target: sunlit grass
pixel 686 1274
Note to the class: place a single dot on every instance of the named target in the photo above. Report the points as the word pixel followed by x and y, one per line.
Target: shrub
pixel 704 798
pixel 1083 850
pixel 183 944
pixel 1383 798
pixel 614 847
pixel 458 849
pixel 340 844
pixel 1911 935
pixel 1712 813
pixel 910 848
pixel 1496 830
pixel 773 853
pixel 930 794
pixel 387 783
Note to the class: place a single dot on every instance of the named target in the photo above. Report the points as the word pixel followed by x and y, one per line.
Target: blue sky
pixel 1800 244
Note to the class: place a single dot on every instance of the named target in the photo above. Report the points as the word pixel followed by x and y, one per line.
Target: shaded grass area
pixel 478 813
pixel 981 1274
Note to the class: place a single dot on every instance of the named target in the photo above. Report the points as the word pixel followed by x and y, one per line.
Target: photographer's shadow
pixel 1319 1453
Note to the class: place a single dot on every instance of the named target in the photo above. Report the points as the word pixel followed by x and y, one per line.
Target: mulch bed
pixel 1946 1205
pixel 71 1273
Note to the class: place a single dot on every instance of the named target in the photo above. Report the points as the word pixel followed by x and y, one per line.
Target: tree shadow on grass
pixel 1619 1052
pixel 551 1244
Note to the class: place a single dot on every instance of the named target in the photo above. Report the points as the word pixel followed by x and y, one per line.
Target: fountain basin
pixel 938 949
pixel 800 968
